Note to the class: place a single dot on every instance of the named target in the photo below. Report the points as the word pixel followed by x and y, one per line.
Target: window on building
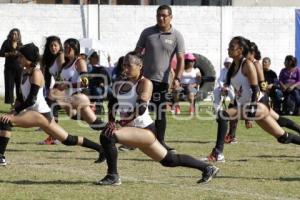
pixel 59 1
pixel 74 1
pixel 128 2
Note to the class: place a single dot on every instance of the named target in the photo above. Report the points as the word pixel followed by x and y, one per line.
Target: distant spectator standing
pixel 159 43
pixel 12 70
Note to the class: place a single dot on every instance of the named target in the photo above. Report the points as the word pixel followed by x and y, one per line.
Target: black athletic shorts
pixel 152 128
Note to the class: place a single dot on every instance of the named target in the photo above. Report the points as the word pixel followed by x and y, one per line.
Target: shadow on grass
pixel 54 182
pixel 40 150
pixel 189 141
pixel 262 178
pixel 276 156
pixel 137 159
pixel 289 178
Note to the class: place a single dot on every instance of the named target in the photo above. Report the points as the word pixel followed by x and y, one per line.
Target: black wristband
pixel 251 110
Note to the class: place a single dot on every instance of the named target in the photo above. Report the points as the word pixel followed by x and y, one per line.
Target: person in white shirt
pixel 220 90
pixel 189 83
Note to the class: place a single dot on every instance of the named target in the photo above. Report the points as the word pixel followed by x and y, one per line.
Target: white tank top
pixel 242 87
pixel 40 105
pixel 71 75
pixel 189 77
pixel 54 69
pixel 127 103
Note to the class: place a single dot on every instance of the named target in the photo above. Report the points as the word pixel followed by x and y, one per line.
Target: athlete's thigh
pixel 155 151
pixel 29 119
pixel 135 137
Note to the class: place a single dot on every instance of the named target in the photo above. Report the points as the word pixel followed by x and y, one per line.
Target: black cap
pixel 30 52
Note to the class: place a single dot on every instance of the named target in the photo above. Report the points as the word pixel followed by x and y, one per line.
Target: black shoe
pixel 2 161
pixel 208 174
pixel 101 158
pixel 110 179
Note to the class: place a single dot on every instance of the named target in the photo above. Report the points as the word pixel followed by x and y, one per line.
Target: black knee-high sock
pixel 222 130
pixel 287 138
pixel 160 124
pixel 285 122
pixel 3 144
pixel 175 160
pixel 98 124
pixel 91 145
pixel 111 153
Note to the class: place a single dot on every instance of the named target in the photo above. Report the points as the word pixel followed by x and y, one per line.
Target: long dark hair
pixel 245 44
pixel 74 44
pixel 9 38
pixel 48 58
pixel 290 61
pixel 254 49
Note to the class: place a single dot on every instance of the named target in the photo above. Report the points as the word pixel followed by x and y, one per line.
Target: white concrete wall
pixel 272 28
pixel 281 3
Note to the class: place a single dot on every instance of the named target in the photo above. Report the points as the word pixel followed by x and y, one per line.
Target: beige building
pixel 239 3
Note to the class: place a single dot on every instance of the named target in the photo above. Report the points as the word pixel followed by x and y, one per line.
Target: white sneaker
pixel 213 157
pixel 2 161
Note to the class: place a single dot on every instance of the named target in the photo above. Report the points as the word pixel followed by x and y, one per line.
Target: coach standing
pixel 159 44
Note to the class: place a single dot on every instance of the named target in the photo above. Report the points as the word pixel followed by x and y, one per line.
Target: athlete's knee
pixel 80 101
pixel 170 160
pixel 71 140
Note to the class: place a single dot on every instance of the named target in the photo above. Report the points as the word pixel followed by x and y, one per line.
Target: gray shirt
pixel 160 48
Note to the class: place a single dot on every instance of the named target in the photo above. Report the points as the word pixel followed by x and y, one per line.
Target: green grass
pixel 256 168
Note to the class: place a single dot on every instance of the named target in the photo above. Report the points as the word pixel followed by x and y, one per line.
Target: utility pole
pixel 98 19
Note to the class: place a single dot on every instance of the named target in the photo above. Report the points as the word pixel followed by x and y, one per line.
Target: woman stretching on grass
pixel 33 111
pixel 138 129
pixel 251 103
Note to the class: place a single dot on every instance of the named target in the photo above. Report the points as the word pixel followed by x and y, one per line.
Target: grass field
pixel 256 168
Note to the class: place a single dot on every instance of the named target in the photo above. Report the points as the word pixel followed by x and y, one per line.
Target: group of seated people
pixel 284 91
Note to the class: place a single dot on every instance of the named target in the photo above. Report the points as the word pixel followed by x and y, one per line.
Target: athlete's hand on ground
pixel 109 129
pixel 248 124
pixel 6 118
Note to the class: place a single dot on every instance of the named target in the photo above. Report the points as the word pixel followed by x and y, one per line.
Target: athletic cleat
pixel 208 174
pixel 213 157
pixel 229 139
pixel 49 141
pixel 3 161
pixel 101 158
pixel 110 179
